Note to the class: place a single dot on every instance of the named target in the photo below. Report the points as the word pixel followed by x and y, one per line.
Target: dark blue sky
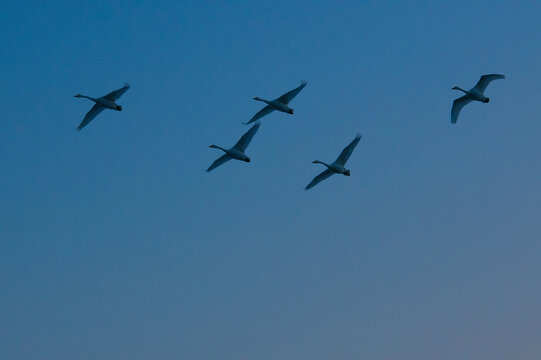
pixel 115 244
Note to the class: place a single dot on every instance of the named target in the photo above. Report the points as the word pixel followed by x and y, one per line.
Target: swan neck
pixel 260 99
pixel 321 162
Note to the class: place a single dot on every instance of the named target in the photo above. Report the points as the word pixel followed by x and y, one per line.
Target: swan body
pixel 237 151
pixel 280 104
pixel 105 102
pixel 334 167
pixel 477 93
pixel 276 105
pixel 234 153
pixel 338 166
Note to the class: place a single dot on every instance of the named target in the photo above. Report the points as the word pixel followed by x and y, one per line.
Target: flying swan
pixel 237 151
pixel 280 104
pixel 476 93
pixel 105 102
pixel 337 167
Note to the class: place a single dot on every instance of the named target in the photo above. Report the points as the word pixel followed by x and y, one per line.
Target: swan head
pixel 347 173
pixel 485 100
pixel 455 88
pixel 118 108
pixel 247 159
pixel 290 111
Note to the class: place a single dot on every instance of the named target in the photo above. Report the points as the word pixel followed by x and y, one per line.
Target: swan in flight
pixel 237 151
pixel 476 93
pixel 280 104
pixel 105 102
pixel 337 167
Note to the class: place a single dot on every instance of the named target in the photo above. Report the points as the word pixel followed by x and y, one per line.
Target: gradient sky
pixel 115 244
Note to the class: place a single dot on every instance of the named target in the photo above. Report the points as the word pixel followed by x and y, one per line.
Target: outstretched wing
pixel 265 111
pixel 346 153
pixel 244 141
pixel 325 174
pixel 96 109
pixel 287 97
pixel 485 80
pixel 115 95
pixel 221 160
pixel 458 104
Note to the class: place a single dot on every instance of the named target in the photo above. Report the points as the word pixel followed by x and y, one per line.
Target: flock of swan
pixel 237 151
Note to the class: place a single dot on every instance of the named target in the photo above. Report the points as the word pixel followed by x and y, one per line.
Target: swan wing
pixel 324 175
pixel 221 160
pixel 265 111
pixel 244 141
pixel 485 80
pixel 288 96
pixel 346 153
pixel 96 109
pixel 458 104
pixel 115 95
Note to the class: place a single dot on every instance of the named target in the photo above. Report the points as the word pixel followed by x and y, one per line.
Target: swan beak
pixel 247 160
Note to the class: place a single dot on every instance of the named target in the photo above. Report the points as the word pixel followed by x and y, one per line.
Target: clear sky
pixel 115 244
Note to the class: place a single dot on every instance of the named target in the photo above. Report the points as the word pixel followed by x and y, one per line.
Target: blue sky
pixel 115 244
